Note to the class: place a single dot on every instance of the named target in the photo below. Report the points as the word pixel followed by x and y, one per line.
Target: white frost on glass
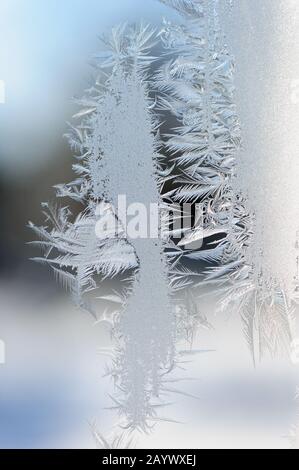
pixel 197 88
pixel 264 37
pixel 249 191
pixel 146 327
pixel 116 152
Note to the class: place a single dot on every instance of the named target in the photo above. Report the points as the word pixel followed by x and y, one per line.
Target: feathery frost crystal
pixel 119 151
pixel 198 88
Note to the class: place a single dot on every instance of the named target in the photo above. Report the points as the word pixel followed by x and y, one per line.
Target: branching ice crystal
pixel 197 87
pixel 117 155
pixel 118 152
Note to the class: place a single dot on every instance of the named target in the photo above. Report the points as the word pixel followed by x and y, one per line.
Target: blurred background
pixel 51 385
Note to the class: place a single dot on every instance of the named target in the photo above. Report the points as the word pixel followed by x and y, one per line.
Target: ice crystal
pixel 249 225
pixel 117 155
pixel 114 441
pixel 197 87
pixel 267 168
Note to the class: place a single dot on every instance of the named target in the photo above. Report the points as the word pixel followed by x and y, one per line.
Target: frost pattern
pixel 267 170
pixel 198 88
pixel 117 135
pixel 117 155
pixel 146 327
pixel 121 441
pixel 116 139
